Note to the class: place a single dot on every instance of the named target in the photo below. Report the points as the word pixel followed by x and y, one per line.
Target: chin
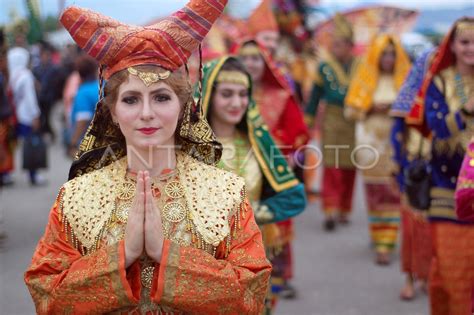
pixel 234 120
pixel 469 61
pixel 146 144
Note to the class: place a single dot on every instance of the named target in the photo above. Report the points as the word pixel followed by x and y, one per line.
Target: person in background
pixel 445 103
pixel 7 119
pixel 47 76
pixel 84 102
pixel 273 189
pixel 331 81
pixel 263 27
pixel 372 91
pixel 285 121
pixel 7 125
pixel 464 197
pixel 71 85
pixel 408 145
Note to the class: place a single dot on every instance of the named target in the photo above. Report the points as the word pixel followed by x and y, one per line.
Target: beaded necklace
pixel 460 91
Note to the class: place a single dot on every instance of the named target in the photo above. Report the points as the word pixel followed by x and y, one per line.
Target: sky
pixel 141 11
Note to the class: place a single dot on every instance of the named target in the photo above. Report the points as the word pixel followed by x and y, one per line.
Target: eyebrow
pixel 134 92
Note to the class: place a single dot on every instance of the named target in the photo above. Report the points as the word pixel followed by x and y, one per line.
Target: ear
pixel 113 115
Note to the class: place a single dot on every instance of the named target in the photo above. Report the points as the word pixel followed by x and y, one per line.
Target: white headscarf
pixel 22 84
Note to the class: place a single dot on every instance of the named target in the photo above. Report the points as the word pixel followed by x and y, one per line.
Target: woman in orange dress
pixel 147 224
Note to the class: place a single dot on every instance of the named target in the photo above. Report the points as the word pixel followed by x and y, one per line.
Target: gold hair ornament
pixel 465 27
pixel 148 78
pixel 236 77
pixel 249 50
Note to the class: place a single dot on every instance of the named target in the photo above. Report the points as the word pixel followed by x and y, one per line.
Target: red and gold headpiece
pixel 168 43
pixel 262 19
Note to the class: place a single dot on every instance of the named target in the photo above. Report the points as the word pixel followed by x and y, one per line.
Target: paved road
pixel 334 272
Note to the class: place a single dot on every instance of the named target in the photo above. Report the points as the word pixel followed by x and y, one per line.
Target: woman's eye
pixel 244 94
pixel 226 94
pixel 162 97
pixel 130 100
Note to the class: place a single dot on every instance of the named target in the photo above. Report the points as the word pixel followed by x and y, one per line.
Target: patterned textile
pixel 416 248
pixel 444 58
pixel 402 105
pixel 7 145
pixel 168 43
pixel 465 187
pixel 451 132
pixel 280 193
pixel 272 164
pixel 262 19
pixel 406 140
pixel 452 271
pixel 367 75
pixel 338 188
pixel 283 263
pixel 280 113
pixel 194 275
pixel 383 203
pixel 330 87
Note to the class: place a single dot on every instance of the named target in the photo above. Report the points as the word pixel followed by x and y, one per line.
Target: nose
pixel 236 101
pixel 147 112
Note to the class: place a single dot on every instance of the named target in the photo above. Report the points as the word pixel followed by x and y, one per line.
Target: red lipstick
pixel 148 131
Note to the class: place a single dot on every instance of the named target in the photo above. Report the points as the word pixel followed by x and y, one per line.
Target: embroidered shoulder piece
pixel 87 205
pixel 213 197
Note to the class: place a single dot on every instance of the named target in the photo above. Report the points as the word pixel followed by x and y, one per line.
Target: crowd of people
pixel 181 194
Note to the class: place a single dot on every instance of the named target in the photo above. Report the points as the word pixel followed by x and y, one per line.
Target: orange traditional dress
pixel 213 259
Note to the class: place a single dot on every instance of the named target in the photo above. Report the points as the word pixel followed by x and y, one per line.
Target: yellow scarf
pixel 366 77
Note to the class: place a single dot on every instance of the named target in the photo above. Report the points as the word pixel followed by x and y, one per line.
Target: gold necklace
pixel 174 210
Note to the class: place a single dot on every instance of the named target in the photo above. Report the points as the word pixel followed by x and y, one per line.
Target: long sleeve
pixel 191 279
pixel 440 119
pixel 283 205
pixel 465 187
pixel 399 154
pixel 62 281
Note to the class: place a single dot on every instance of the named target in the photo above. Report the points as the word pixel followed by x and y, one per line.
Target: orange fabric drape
pixel 61 280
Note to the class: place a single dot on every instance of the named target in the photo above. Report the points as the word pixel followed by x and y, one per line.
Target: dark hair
pixel 87 68
pixel 232 64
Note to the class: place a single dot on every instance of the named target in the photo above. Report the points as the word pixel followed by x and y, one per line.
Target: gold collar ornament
pixel 149 78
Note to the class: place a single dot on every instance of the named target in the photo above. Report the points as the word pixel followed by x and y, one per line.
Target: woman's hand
pixel 153 229
pixel 134 231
